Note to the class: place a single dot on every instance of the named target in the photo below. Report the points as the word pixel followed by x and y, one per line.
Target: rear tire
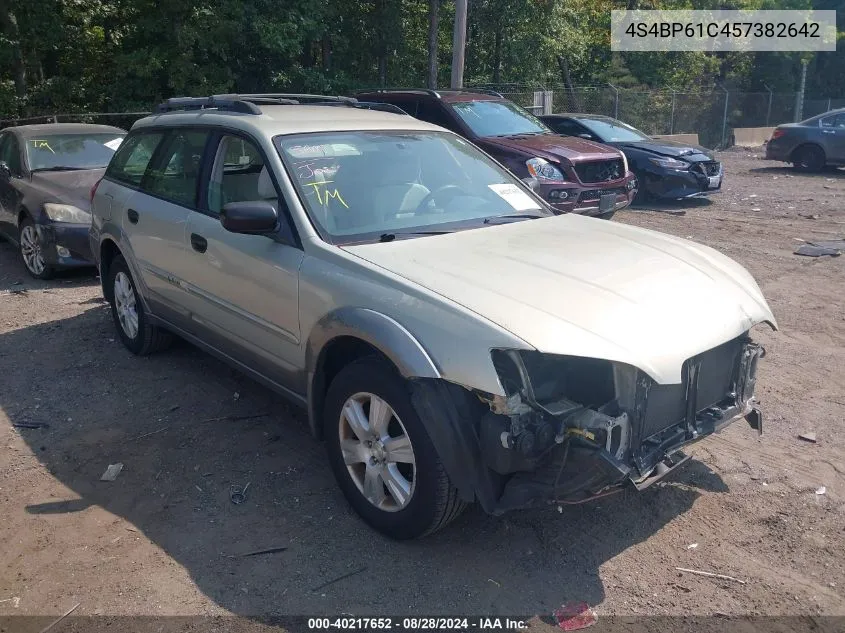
pixel 381 455
pixel 139 336
pixel 809 158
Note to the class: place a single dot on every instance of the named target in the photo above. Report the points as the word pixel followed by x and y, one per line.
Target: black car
pixel 46 176
pixel 665 169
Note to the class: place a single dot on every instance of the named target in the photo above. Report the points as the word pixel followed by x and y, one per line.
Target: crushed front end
pixel 573 429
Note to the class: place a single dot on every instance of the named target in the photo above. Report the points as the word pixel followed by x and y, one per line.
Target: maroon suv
pixel 572 174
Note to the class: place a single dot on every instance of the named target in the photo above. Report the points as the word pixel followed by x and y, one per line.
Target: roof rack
pixel 427 91
pixel 227 103
pixel 435 93
pixel 365 105
pixel 299 98
pixel 249 103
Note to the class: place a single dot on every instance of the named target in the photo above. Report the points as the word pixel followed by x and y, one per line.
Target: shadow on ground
pixel 185 439
pixel 670 207
pixel 788 170
pixel 15 279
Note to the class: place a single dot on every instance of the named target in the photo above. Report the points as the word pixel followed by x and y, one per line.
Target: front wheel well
pixel 337 354
pixel 108 252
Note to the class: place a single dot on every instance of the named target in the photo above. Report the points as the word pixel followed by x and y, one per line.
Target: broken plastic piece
pixel 112 472
pixel 574 616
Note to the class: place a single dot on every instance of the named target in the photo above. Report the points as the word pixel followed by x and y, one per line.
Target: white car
pixel 453 338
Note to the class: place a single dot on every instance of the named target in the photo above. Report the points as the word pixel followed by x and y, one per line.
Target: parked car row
pixel 453 337
pixel 576 163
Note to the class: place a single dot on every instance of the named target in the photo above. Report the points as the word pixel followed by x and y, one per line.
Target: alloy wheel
pixel 124 303
pixel 33 258
pixel 377 451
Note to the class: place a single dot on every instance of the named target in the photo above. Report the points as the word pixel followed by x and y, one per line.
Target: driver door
pixel 245 287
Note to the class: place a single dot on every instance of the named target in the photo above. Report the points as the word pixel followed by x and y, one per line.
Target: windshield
pixel 367 186
pixel 71 151
pixel 609 130
pixel 498 118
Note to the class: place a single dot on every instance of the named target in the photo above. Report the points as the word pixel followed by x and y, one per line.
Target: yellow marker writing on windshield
pixel 327 193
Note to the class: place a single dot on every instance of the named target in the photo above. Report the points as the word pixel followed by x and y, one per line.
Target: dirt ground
pixel 165 537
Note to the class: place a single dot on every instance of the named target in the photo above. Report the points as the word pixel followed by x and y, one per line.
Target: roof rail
pixel 299 98
pixel 365 105
pixel 223 103
pixel 249 103
pixel 428 91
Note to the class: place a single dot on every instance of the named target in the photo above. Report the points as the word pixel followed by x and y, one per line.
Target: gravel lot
pixel 164 538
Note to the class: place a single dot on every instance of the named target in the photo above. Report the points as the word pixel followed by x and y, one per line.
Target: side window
pixel 566 127
pixel 835 121
pixel 239 174
pixel 432 112
pixel 129 164
pixel 175 174
pixel 10 153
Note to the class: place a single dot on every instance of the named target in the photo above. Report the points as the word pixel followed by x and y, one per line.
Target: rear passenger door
pixel 161 172
pixel 246 286
pixel 833 136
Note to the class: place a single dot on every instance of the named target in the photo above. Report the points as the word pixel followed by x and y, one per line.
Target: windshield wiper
pixel 389 237
pixel 514 216
pixel 58 168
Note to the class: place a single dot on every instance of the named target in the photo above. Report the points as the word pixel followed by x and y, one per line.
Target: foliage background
pixel 118 55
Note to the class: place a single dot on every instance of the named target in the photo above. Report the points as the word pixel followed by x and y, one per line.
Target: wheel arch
pixel 794 153
pixel 348 334
pixel 108 251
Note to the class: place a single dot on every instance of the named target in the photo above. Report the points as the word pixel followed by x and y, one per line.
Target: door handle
pixel 198 243
pixel 132 214
pixel 828 131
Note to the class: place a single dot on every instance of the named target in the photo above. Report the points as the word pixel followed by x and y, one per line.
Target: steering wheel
pixel 454 189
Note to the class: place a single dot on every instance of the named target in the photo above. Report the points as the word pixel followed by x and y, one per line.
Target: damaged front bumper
pixel 539 446
pixel 717 389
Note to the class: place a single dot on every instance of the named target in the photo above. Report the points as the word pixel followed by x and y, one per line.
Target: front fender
pixel 380 331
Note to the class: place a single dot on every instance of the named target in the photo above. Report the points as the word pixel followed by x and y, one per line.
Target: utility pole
pixel 799 98
pixel 459 43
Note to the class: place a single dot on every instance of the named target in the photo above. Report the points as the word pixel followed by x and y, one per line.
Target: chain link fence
pixel 711 115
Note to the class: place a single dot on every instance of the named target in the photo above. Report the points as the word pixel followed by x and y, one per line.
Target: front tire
pixel 809 158
pixel 139 336
pixel 32 251
pixel 381 455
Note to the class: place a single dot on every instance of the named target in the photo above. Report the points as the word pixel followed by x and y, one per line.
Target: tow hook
pixel 755 420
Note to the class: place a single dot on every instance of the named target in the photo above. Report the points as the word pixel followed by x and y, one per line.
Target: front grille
pixel 595 194
pixel 666 404
pixel 708 169
pixel 599 170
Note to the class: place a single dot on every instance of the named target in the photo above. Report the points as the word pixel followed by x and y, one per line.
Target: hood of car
pixel 69 187
pixel 585 287
pixel 673 149
pixel 553 146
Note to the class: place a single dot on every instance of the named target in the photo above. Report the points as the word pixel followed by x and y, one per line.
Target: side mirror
pixel 532 183
pixel 5 172
pixel 254 217
pixel 589 137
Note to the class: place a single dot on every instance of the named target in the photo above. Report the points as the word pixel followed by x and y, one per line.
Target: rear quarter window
pixel 130 162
